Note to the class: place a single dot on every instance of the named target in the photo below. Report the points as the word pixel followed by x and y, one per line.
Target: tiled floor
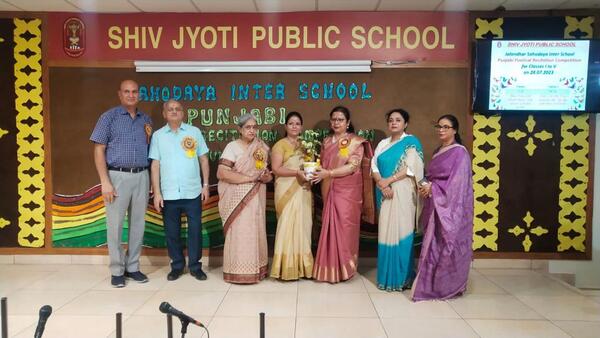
pixel 499 303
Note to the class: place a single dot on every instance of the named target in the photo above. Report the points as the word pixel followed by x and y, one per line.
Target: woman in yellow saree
pixel 292 256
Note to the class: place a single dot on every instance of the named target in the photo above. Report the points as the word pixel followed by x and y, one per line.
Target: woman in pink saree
pixel 446 219
pixel 342 190
pixel 242 175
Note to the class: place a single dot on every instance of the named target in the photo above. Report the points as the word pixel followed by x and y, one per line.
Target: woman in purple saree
pixel 446 219
pixel 342 190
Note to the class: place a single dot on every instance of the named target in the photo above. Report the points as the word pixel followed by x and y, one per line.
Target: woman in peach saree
pixel 242 175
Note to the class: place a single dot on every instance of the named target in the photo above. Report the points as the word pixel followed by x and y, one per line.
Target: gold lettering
pixel 114 37
pixel 155 39
pixel 389 36
pixel 178 44
pixel 446 45
pixel 417 37
pixel 258 34
pixel 328 42
pixel 203 39
pixel 292 34
pixel 305 43
pixel 372 31
pixel 436 37
pixel 358 40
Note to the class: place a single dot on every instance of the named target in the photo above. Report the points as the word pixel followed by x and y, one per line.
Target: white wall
pixel 587 273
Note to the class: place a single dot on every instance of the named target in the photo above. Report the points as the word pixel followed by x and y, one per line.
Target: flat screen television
pixel 553 76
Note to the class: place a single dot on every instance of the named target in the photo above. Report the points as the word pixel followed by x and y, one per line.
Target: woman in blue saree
pixel 396 167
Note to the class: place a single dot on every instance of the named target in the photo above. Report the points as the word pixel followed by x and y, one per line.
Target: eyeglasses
pixel 439 127
pixel 337 120
pixel 250 127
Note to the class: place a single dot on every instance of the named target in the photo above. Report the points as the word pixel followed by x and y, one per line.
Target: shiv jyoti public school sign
pixel 390 36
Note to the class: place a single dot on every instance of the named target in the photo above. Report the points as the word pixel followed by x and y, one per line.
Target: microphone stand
pixel 169 326
pixel 119 319
pixel 184 325
pixel 3 307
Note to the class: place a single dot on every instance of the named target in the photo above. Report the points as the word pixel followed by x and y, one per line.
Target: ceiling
pixel 262 6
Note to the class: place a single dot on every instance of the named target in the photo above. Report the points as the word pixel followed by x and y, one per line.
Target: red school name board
pixel 387 36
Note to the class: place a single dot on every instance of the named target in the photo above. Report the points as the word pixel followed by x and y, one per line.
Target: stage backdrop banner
pixel 213 103
pixel 385 36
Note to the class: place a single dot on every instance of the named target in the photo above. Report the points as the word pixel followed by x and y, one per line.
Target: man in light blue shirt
pixel 178 187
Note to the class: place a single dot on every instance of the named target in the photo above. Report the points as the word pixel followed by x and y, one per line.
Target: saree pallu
pixel 397 216
pixel 292 255
pixel 447 221
pixel 337 254
pixel 242 210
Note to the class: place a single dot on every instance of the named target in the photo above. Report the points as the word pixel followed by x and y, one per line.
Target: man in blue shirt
pixel 121 139
pixel 178 188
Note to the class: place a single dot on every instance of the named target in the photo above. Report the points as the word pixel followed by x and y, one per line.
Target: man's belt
pixel 128 170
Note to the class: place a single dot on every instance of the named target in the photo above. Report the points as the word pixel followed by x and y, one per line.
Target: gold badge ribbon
pixel 343 145
pixel 259 159
pixel 189 145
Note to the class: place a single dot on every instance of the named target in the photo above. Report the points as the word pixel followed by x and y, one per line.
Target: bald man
pixel 121 138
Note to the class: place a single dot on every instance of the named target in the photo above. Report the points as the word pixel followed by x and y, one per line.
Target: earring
pixel 347 127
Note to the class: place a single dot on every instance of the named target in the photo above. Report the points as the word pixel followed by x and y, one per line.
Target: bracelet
pixel 331 173
pixel 205 185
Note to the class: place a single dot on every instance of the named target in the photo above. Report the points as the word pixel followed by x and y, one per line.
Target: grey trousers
pixel 132 198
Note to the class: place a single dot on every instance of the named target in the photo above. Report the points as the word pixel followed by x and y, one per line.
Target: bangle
pixel 205 185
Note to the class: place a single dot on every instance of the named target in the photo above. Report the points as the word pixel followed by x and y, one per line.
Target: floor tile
pixel 494 328
pixel 531 285
pixel 106 302
pixel 428 328
pixel 492 307
pixel 6 259
pixel 311 327
pixel 327 304
pixel 249 327
pixel 354 285
pixel 42 259
pixel 12 280
pixel 502 264
pixel 480 284
pixel 268 285
pixel 398 305
pixel 199 303
pixel 564 308
pixel 69 279
pixel 244 304
pixel 507 272
pixel 67 326
pixel 29 302
pixel 579 329
pixel 18 323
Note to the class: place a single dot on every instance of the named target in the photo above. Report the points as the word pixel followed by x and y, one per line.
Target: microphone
pixel 168 309
pixel 45 312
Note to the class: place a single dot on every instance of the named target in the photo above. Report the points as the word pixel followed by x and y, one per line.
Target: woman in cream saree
pixel 292 256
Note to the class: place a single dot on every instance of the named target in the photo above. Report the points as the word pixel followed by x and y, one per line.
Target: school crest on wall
pixel 74 37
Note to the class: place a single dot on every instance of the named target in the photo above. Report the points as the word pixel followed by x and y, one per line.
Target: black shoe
pixel 117 281
pixel 198 274
pixel 136 276
pixel 174 274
